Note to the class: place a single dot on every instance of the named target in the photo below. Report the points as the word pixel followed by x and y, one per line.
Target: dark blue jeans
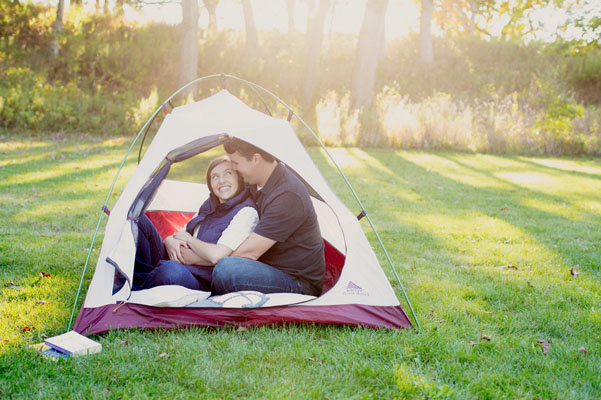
pixel 233 274
pixel 153 267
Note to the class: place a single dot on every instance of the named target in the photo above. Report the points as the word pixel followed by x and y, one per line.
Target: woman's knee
pixel 172 273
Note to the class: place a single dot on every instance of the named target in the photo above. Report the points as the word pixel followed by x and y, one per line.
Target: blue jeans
pixel 170 272
pixel 153 267
pixel 233 274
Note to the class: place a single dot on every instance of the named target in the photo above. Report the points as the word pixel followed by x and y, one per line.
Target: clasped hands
pixel 178 248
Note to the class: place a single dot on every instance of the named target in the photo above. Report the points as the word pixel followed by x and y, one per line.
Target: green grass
pixel 453 224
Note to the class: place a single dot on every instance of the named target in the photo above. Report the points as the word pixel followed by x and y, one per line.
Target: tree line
pixel 454 17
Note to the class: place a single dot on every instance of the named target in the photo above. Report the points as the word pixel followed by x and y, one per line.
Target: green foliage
pixel 28 100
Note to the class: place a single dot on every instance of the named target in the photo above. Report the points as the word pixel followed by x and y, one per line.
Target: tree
pixel 189 43
pixel 252 40
pixel 313 42
pixel 426 54
pixel 57 29
pixel 119 7
pixel 369 48
pixel 479 17
pixel 290 9
pixel 211 6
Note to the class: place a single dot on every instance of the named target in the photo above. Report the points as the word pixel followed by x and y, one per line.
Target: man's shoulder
pixel 291 182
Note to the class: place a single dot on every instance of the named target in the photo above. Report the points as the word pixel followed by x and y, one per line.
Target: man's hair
pixel 245 149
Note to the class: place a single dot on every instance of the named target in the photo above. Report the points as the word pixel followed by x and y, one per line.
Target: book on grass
pixel 48 351
pixel 72 343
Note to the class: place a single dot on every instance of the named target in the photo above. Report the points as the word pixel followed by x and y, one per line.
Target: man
pixel 285 251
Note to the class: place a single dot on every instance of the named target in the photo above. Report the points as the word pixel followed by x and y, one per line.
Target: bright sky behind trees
pixel 402 16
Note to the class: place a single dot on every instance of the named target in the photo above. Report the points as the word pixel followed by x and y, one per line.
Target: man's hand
pixel 182 235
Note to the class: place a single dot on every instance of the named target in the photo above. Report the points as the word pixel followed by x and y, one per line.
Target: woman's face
pixel 224 181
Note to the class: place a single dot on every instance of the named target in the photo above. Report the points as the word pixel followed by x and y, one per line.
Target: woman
pixel 187 257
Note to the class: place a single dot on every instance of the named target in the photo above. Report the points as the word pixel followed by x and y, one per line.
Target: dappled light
pixel 527 178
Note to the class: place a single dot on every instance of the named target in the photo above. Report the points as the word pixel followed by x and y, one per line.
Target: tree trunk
pixel 252 40
pixel 76 2
pixel 105 8
pixel 211 6
pixel 119 7
pixel 369 48
pixel 474 12
pixel 97 6
pixel 189 43
pixel 57 29
pixel 426 54
pixel 314 40
pixel 290 8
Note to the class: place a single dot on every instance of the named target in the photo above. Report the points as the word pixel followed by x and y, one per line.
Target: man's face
pixel 246 168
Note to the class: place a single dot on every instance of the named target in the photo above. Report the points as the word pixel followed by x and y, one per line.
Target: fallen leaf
pixel 107 390
pixel 504 209
pixel 41 302
pixel 484 336
pixel 241 329
pixel 529 284
pixel 544 344
pixel 315 359
pixel 27 328
pixel 509 266
pixel 163 355
pixel 124 342
pixel 582 350
pixel 45 275
pixel 472 343
pixel 573 272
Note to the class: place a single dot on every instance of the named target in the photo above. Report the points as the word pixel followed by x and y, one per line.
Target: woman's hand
pixel 174 248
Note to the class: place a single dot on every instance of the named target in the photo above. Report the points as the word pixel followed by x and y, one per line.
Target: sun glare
pixel 344 17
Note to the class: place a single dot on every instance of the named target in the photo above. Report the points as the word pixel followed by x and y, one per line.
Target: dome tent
pixel 356 291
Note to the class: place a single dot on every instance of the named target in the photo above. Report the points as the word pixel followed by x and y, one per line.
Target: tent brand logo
pixel 353 288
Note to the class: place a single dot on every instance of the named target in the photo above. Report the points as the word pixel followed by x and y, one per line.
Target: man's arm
pixel 254 247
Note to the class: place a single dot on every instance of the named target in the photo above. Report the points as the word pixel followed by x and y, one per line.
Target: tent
pixel 356 291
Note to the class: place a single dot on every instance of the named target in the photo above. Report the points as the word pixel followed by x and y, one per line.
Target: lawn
pixel 500 256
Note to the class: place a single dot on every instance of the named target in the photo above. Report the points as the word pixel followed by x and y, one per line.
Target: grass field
pixel 500 256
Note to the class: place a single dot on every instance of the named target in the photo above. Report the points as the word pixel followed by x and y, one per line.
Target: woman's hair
pixel 215 162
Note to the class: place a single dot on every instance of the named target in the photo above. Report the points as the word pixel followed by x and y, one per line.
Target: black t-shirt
pixel 286 215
